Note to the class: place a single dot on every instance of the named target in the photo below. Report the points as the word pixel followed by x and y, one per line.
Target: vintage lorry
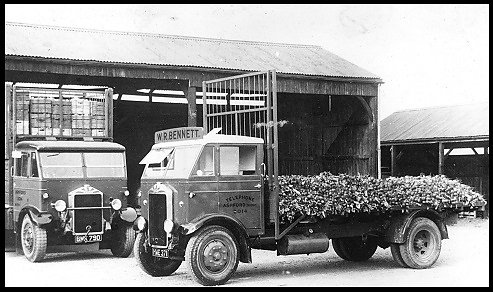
pixel 209 195
pixel 65 180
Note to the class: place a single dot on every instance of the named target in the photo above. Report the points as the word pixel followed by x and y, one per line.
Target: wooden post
pixel 150 94
pixel 191 94
pixel 393 160
pixel 109 113
pixel 440 157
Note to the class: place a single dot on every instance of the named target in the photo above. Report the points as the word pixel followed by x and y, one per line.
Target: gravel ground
pixel 464 261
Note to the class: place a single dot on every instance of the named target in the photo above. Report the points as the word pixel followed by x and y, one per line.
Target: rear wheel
pixel 336 244
pixel 422 244
pixel 156 267
pixel 33 240
pixel 354 249
pixel 396 254
pixel 122 240
pixel 212 255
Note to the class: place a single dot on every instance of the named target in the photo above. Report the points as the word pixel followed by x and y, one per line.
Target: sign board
pixel 179 134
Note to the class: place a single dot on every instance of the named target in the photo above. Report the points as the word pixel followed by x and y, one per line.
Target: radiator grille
pixel 157 215
pixel 84 217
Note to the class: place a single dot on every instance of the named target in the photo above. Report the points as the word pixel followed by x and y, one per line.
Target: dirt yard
pixel 464 261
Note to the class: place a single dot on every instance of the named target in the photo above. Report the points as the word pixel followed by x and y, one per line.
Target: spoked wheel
pixel 212 255
pixel 33 240
pixel 156 267
pixel 422 244
pixel 354 249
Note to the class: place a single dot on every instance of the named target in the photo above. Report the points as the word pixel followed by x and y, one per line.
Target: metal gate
pixel 246 105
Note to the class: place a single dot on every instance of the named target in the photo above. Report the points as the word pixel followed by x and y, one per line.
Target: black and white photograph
pixel 246 145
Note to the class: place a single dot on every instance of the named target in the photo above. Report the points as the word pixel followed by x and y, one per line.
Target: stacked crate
pixel 48 112
pixel 41 116
pixel 22 113
pixel 98 118
pixel 62 115
pixel 81 117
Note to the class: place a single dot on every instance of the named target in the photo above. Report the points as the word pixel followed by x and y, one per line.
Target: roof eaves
pixel 375 79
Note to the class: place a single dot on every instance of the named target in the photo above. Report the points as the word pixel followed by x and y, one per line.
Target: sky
pixel 427 55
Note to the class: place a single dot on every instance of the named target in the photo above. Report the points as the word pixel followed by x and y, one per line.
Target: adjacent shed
pixel 330 104
pixel 449 140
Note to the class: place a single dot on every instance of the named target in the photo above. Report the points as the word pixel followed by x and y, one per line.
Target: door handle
pixel 258 186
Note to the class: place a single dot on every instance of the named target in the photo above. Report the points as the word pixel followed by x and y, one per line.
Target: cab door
pixel 27 185
pixel 240 185
pixel 202 189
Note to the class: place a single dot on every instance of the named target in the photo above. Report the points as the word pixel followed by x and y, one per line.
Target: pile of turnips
pixel 326 194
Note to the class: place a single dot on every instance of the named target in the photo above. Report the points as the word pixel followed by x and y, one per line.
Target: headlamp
pixel 140 223
pixel 116 204
pixel 168 225
pixel 60 205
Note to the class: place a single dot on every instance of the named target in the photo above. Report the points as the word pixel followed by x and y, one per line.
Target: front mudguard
pixel 231 223
pixel 128 214
pixel 40 218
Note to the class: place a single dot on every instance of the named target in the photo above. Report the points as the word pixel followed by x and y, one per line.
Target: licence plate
pixel 88 238
pixel 160 252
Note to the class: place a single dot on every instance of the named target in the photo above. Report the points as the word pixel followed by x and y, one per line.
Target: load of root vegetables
pixel 326 195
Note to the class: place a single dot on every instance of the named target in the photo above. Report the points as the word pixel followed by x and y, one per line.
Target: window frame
pixel 18 161
pixel 214 160
pixel 83 165
pixel 256 162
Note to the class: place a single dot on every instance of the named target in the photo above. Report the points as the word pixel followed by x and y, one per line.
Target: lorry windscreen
pixel 72 164
pixel 178 162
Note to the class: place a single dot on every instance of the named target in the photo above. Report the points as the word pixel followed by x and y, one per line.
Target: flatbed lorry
pixel 65 180
pixel 209 198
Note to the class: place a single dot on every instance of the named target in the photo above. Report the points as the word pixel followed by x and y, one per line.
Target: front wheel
pixel 422 244
pixel 354 249
pixel 33 240
pixel 156 267
pixel 212 255
pixel 123 239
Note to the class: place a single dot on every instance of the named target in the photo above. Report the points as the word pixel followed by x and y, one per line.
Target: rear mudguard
pixel 232 224
pixel 397 231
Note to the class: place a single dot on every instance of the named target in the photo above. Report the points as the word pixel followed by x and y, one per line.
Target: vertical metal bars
pixel 246 105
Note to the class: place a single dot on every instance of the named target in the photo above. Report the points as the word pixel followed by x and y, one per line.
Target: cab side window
pixel 21 165
pixel 237 160
pixel 205 165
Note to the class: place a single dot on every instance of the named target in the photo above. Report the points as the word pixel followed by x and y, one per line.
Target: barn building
pixel 330 105
pixel 448 140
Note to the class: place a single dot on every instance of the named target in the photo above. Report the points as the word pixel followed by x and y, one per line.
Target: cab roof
pixel 212 139
pixel 69 145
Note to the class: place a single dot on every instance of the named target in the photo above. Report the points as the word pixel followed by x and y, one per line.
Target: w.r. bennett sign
pixel 177 134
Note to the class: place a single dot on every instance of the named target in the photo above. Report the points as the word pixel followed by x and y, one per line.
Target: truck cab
pixel 189 183
pixel 71 193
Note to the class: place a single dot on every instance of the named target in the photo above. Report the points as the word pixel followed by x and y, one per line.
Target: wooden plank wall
pixel 322 135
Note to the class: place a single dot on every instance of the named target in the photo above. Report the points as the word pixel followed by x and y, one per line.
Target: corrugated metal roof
pixel 440 123
pixel 156 49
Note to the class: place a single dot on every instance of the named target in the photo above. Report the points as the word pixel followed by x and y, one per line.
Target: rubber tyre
pixel 422 245
pixel 211 246
pixel 156 267
pixel 396 254
pixel 354 249
pixel 33 240
pixel 336 244
pixel 123 240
